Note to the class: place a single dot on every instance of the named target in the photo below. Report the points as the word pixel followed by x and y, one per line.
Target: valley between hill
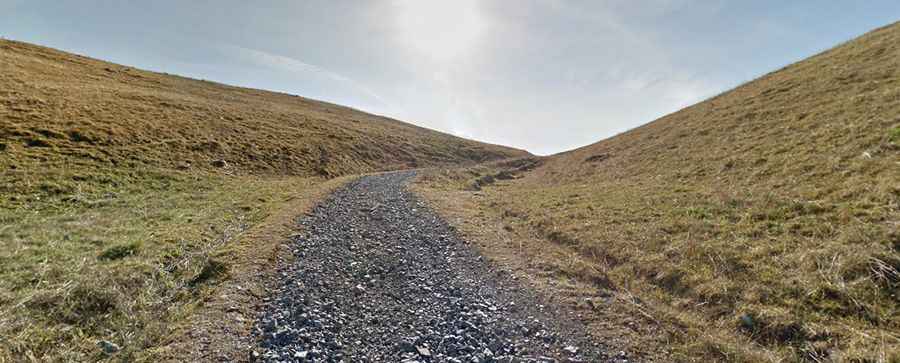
pixel 146 215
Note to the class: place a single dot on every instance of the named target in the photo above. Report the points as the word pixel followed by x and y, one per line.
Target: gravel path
pixel 379 277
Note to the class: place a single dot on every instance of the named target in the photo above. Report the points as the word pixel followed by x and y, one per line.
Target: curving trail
pixel 379 277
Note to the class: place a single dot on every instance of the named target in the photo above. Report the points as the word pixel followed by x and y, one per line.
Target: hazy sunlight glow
pixel 439 30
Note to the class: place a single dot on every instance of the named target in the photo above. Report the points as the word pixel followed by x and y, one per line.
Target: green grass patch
pixel 894 134
pixel 91 254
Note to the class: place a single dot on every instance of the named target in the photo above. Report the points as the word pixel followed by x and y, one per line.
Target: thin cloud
pixel 297 66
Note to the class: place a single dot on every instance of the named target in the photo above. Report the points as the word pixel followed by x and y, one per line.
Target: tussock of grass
pixel 761 224
pixel 120 251
pixel 212 269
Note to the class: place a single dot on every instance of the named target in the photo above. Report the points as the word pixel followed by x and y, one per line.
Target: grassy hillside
pixel 761 224
pixel 127 196
pixel 59 107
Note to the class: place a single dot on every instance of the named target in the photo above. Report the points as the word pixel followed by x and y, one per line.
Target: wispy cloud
pixel 296 66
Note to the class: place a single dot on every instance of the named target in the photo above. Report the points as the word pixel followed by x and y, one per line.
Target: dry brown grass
pixel 129 199
pixel 57 107
pixel 612 317
pixel 762 224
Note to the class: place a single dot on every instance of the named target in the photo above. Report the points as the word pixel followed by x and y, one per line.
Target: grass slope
pixel 761 224
pixel 63 107
pixel 124 192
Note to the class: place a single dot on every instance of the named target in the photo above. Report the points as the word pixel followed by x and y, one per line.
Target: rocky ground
pixel 379 277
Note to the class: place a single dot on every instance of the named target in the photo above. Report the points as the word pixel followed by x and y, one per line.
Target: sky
pixel 542 75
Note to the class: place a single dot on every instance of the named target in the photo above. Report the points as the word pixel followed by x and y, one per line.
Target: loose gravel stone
pixel 379 277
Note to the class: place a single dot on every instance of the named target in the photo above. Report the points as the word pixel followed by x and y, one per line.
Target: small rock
pixel 301 355
pixel 108 347
pixel 747 322
pixel 220 163
pixel 423 351
pixel 406 347
pixel 571 349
